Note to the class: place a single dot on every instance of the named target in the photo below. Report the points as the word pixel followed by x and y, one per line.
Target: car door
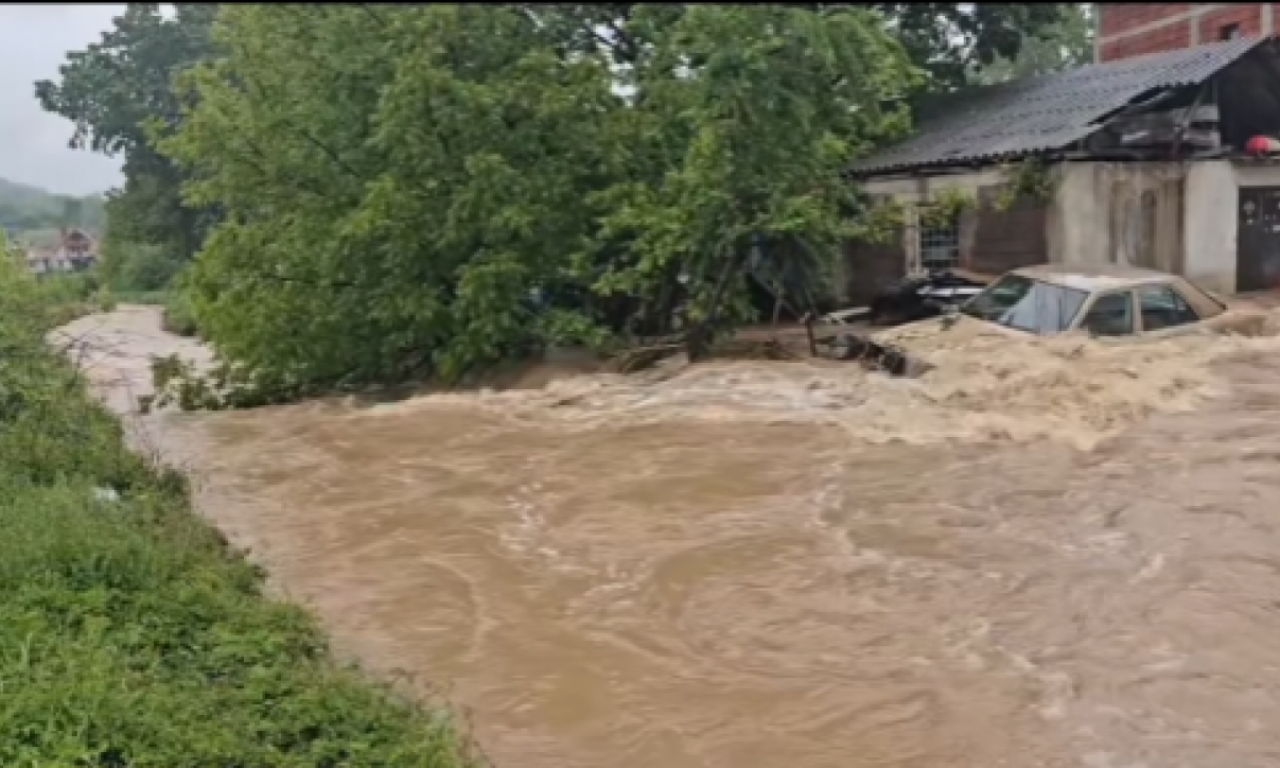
pixel 1164 311
pixel 1109 315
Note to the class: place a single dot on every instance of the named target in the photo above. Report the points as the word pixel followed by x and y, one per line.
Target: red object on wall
pixel 1262 145
pixel 1134 29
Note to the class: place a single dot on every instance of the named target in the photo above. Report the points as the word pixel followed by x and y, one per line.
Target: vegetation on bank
pixel 178 316
pixel 381 191
pixel 65 297
pixel 129 634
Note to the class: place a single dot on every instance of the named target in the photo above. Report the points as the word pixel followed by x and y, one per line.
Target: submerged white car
pixel 1109 302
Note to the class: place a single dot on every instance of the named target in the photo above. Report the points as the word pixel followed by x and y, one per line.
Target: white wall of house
pixel 1193 232
pixel 1075 236
pixel 1210 225
pixel 1101 212
pixel 1213 202
pixel 1119 213
pixel 1179 217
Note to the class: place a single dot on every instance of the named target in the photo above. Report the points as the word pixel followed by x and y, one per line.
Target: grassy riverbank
pixel 129 635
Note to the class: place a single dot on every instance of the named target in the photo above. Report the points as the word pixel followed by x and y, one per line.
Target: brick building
pixel 1133 29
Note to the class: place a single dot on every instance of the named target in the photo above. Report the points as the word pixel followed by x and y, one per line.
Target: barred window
pixel 939 243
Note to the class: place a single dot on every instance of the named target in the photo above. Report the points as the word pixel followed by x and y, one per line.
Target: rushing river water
pixel 1057 555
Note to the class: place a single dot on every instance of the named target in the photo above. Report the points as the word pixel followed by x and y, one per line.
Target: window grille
pixel 939 244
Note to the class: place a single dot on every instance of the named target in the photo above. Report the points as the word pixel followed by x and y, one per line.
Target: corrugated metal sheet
pixel 1046 113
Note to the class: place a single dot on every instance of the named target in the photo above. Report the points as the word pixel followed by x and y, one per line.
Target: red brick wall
pixel 1136 29
pixel 1248 16
pixel 1114 19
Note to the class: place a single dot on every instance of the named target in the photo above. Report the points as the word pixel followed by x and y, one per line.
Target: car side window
pixel 1110 315
pixel 1163 307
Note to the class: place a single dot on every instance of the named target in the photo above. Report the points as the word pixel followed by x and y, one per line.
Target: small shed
pixel 1142 162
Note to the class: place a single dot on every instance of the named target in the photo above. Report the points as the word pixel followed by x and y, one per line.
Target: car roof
pixel 1095 277
pixel 1103 277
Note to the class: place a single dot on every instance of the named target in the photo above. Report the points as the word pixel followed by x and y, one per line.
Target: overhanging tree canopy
pixel 408 187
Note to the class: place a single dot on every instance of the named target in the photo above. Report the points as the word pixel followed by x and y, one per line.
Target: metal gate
pixel 1258 239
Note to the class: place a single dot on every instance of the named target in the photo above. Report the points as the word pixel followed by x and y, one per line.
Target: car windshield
pixel 1027 305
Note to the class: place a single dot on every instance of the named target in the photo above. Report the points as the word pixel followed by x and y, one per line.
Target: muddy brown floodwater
pixel 1062 554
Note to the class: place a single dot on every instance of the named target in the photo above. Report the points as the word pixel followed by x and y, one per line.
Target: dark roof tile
pixel 1045 113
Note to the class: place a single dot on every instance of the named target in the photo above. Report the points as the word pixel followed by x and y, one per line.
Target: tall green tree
pixel 400 180
pixel 744 146
pixel 1064 44
pixel 119 95
pixel 432 187
pixel 953 40
pixel 397 180
pixel 948 42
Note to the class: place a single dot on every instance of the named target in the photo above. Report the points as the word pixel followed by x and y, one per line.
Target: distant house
pixel 76 251
pixel 40 260
pixel 1169 161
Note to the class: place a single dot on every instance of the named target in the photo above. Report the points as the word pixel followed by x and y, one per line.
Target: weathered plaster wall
pixel 1119 213
pixel 1212 226
pixel 1178 217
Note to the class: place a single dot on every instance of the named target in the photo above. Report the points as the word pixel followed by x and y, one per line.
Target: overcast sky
pixel 34 40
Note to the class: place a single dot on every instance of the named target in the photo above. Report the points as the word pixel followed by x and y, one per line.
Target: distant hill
pixel 12 190
pixel 25 209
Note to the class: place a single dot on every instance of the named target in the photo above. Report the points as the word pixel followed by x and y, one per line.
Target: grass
pixel 129 634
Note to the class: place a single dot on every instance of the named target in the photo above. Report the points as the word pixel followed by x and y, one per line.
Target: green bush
pixel 178 316
pixel 138 267
pixel 129 634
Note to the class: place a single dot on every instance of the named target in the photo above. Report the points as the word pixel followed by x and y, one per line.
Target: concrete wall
pixel 1178 217
pixel 1174 217
pixel 1213 218
pixel 1209 232
pixel 1118 213
pixel 1125 30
